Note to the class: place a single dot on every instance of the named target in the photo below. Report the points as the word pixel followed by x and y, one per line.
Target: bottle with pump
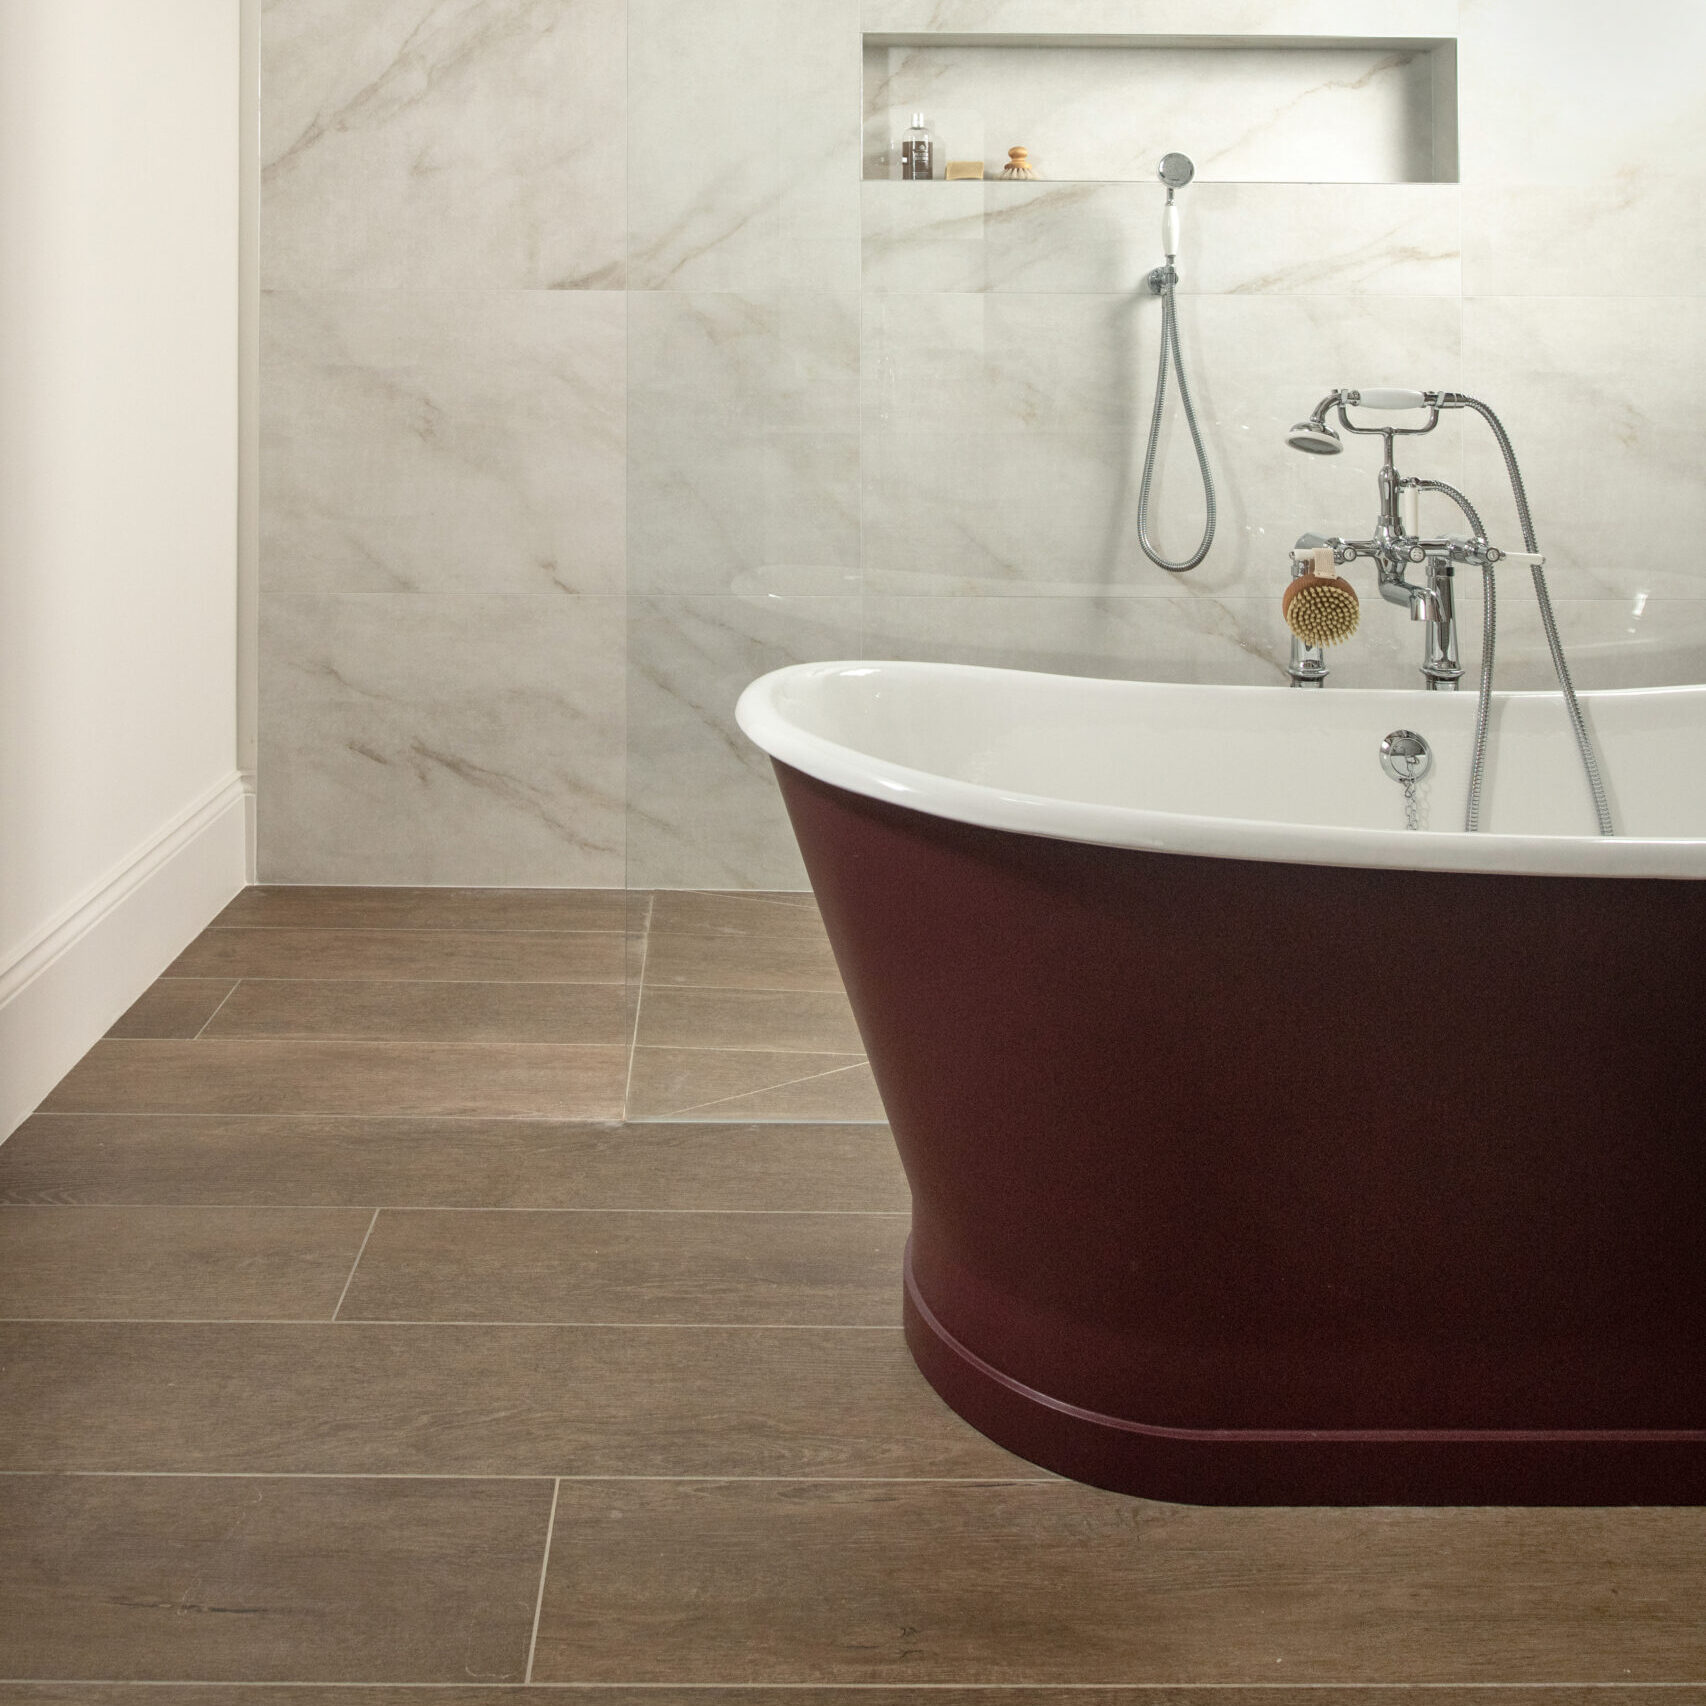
pixel 917 151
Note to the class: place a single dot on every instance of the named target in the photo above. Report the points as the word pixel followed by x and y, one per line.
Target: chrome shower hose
pixel 1548 621
pixel 1162 280
pixel 1489 637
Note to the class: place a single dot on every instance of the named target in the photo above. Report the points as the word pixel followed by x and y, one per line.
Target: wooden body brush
pixel 1319 606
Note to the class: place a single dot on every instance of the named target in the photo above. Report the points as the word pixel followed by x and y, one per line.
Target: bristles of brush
pixel 1323 614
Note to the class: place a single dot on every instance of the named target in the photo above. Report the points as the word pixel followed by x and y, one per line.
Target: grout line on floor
pixel 380 1321
pixel 763 1090
pixel 236 984
pixel 349 1279
pixel 544 1567
pixel 587 1124
pixel 867 1687
pixel 639 987
pixel 978 1481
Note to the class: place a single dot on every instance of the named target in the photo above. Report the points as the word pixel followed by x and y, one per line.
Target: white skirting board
pixel 87 966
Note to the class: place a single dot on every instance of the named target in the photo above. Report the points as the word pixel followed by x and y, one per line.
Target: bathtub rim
pixel 763 721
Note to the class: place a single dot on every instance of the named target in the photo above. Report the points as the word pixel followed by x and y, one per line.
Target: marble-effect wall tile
pixel 428 739
pixel 703 810
pixel 444 144
pixel 1004 435
pixel 1608 418
pixel 744 442
pixel 743 160
pixel 1257 239
pixel 443 442
pixel 1349 18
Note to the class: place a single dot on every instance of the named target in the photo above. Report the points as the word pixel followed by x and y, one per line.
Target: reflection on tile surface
pixel 408 143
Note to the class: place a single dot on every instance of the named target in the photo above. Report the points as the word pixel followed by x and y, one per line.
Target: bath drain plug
pixel 1405 756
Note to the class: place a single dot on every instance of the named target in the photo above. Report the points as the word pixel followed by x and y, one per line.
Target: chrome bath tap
pixel 1414 571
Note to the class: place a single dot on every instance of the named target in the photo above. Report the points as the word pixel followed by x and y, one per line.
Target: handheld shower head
pixel 1175 170
pixel 1316 437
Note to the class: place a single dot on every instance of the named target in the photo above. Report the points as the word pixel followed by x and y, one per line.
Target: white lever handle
pixel 1170 230
pixel 1390 400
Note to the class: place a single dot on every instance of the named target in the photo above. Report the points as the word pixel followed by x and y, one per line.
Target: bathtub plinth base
pixel 1294 1467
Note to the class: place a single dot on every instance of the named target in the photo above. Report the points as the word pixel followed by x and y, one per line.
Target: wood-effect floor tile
pixel 392 1010
pixel 742 1084
pixel 265 1076
pixel 311 908
pixel 173 1007
pixel 748 1269
pixel 1058 1584
pixel 437 1163
pixel 180 1579
pixel 732 961
pixel 177 1263
pixel 452 956
pixel 236 1694
pixel 351 1398
pixel 795 1020
pixel 735 913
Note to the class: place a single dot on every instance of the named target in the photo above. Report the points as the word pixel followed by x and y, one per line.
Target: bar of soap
pixel 964 169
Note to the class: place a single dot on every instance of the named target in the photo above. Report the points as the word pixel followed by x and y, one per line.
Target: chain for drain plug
pixel 1406 757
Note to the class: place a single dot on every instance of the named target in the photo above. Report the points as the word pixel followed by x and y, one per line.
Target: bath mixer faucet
pixel 1416 572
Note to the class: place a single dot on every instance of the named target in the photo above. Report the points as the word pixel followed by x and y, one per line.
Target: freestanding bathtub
pixel 1261 1150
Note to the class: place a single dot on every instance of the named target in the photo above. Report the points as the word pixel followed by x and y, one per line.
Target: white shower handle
pixel 1388 400
pixel 1170 229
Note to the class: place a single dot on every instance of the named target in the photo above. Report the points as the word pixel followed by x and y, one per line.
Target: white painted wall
pixel 118 508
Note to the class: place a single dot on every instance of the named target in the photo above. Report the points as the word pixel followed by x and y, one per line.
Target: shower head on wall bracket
pixel 1175 171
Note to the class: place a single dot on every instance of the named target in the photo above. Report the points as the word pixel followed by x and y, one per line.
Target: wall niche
pixel 1106 108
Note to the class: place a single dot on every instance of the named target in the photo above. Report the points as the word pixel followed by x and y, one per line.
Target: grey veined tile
pixel 743 171
pixel 426 739
pixel 703 810
pixel 743 441
pixel 410 143
pixel 463 442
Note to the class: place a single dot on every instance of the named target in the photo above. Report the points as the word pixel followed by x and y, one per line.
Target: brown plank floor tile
pixel 352 1398
pixel 795 1019
pixel 433 1163
pixel 749 1269
pixel 236 1694
pixel 311 908
pixel 1058 1583
pixel 173 1007
pixel 738 1084
pixel 183 1263
pixel 108 1577
pixel 742 962
pixel 266 1076
pixel 738 914
pixel 428 1012
pixel 456 956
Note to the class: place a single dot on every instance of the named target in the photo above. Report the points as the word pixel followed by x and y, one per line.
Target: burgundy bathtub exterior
pixel 1253 1183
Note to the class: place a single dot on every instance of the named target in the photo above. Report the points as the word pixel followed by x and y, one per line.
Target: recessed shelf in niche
pixel 1247 109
